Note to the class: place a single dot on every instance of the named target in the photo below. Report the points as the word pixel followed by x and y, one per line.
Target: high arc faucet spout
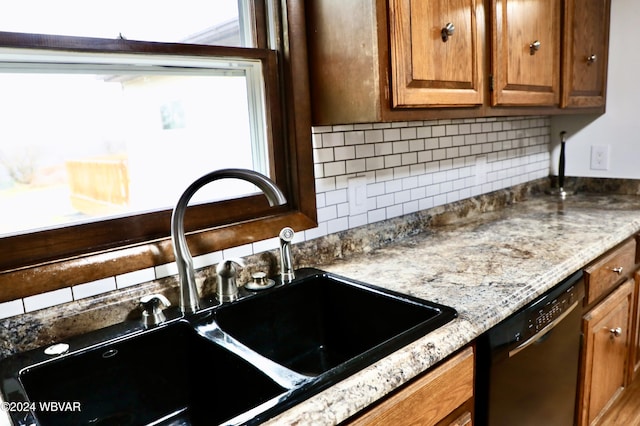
pixel 189 299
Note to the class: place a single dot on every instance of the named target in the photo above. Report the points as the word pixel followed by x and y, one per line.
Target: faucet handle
pixel 226 267
pixel 227 290
pixel 152 306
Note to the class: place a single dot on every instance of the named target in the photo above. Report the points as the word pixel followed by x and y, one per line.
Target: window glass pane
pixel 88 143
pixel 212 22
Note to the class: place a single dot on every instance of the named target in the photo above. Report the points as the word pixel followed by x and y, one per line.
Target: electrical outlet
pixel 599 157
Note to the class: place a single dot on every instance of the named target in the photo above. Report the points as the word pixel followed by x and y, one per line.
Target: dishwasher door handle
pixel 542 332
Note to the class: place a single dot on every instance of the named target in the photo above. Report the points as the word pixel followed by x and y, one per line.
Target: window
pixel 108 116
pixel 98 136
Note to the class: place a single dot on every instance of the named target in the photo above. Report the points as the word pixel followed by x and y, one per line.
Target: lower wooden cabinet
pixel 607 333
pixel 634 366
pixel 443 396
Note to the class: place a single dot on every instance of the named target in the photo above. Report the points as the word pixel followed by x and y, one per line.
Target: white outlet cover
pixel 599 157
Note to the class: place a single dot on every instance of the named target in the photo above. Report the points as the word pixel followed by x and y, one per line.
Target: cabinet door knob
pixel 447 31
pixel 618 270
pixel 534 47
pixel 615 332
pixel 591 59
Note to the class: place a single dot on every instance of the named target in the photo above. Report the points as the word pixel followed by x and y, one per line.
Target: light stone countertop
pixel 486 269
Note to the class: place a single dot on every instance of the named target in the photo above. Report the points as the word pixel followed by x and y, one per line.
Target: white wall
pixel 619 127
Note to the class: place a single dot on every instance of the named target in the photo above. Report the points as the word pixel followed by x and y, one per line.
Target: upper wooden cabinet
pixel 394 60
pixel 435 53
pixel 526 52
pixel 385 60
pixel 586 42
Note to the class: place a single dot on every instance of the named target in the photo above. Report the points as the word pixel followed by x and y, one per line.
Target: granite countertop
pixel 486 268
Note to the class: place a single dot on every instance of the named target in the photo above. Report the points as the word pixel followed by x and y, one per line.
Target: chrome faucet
pixel 189 299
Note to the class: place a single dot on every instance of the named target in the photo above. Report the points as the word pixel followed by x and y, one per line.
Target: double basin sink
pixel 236 363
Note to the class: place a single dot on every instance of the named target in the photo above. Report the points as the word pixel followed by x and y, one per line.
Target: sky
pixel 160 20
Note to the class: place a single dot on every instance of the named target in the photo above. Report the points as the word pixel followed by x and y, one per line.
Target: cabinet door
pixel 430 69
pixel 586 42
pixel 526 52
pixel 605 353
pixel 635 338
pixel 443 396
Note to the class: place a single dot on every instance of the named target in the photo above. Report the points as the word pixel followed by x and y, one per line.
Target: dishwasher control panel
pixel 553 309
pixel 543 312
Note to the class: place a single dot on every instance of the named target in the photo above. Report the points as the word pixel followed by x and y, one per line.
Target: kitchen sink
pixel 235 363
pixel 166 376
pixel 322 322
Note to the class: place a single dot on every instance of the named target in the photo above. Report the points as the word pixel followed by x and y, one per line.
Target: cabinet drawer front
pixel 429 399
pixel 605 273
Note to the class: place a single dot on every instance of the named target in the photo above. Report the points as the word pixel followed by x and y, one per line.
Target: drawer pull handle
pixel 618 269
pixel 616 332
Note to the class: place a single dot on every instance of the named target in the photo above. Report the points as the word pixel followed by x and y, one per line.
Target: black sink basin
pixel 322 322
pixel 237 363
pixel 169 375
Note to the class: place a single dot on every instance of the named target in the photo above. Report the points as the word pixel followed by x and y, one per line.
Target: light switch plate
pixel 481 170
pixel 357 194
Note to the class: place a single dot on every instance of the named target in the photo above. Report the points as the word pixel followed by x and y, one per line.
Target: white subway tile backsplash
pixel 135 277
pixel 408 133
pixel 335 168
pixel 391 134
pixel 344 153
pixel 363 151
pixel 354 138
pixel 357 220
pixel 338 225
pixel 273 243
pixel 93 288
pixel 208 259
pixel 373 136
pixel 418 165
pixel 319 231
pixel 437 131
pixel 323 155
pixel 374 163
pixel 383 149
pixel 237 251
pixel 166 270
pixel 332 139
pixel 11 308
pixel 423 132
pixel 45 300
pixel 336 197
pixel 356 166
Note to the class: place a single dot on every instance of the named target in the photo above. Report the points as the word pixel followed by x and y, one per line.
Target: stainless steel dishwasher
pixel 528 364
